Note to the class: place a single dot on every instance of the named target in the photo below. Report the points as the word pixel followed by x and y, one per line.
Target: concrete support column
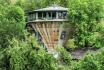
pixel 47 16
pixel 36 15
pixel 56 15
pixel 51 15
pixel 42 15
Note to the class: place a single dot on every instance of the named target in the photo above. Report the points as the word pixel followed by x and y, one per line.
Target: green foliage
pixel 42 61
pixel 29 5
pixel 64 56
pixel 25 56
pixel 3 59
pixel 15 13
pixel 85 15
pixel 11 24
pixel 70 44
pixel 5 2
pixel 91 61
pixel 99 57
pixel 87 63
pixel 64 3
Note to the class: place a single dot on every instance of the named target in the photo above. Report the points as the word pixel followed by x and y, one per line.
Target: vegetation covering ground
pixel 20 51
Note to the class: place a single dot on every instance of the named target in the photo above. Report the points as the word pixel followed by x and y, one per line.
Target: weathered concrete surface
pixel 79 53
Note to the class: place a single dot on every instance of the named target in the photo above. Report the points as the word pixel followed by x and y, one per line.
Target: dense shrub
pixel 64 56
pixel 24 56
pixel 87 63
pixel 86 16
pixel 99 56
pixel 3 59
pixel 11 24
pixel 70 44
pixel 91 61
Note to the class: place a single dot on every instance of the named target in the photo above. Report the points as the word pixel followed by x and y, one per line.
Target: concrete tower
pixel 47 25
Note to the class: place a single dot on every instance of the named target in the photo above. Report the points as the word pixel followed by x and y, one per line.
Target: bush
pixel 64 56
pixel 70 44
pixel 85 16
pixel 24 56
pixel 91 62
pixel 41 61
pixel 12 24
pixel 3 59
pixel 87 63
pixel 99 57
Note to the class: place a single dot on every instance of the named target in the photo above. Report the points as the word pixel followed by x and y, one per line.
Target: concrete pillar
pixel 42 15
pixel 36 15
pixel 56 15
pixel 51 15
pixel 47 16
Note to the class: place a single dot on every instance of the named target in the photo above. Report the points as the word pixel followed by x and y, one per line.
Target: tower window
pixel 44 15
pixel 63 34
pixel 53 15
pixel 64 15
pixel 40 15
pixel 49 15
pixel 59 15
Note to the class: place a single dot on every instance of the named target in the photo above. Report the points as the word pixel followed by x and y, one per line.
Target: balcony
pixel 47 16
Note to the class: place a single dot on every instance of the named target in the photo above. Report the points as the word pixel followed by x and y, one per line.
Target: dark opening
pixel 34 16
pixel 53 15
pixel 64 15
pixel 60 16
pixel 44 15
pixel 49 15
pixel 30 17
pixel 40 15
pixel 63 34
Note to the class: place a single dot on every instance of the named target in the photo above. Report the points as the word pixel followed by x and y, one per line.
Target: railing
pixel 45 20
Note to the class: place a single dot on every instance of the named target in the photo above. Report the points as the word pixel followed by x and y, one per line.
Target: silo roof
pixel 53 8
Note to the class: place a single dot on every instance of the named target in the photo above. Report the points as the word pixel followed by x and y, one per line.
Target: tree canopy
pixel 20 51
pixel 86 17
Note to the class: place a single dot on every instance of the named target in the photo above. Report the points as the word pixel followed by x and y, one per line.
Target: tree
pixel 85 15
pixel 63 3
pixel 23 55
pixel 12 23
pixel 28 5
